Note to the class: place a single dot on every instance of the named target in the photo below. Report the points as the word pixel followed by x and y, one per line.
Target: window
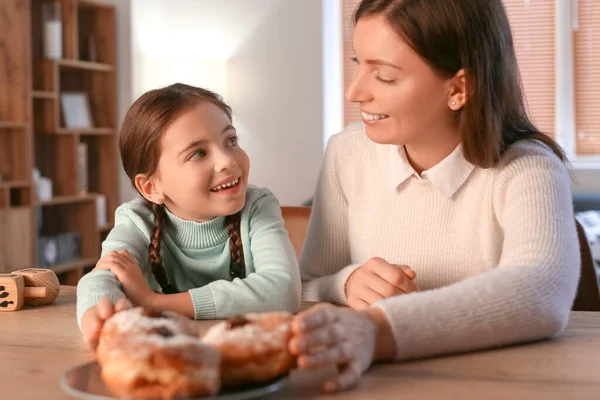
pixel 587 76
pixel 351 110
pixel 557 44
pixel 532 25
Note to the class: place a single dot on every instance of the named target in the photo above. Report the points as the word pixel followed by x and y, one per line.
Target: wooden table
pixel 38 344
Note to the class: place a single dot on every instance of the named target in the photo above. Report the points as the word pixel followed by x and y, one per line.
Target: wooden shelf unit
pixel 12 125
pixel 33 133
pixel 41 94
pixel 85 131
pixel 67 200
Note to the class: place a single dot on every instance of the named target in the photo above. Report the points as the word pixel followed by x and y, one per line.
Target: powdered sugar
pixel 182 347
pixel 134 320
pixel 171 341
pixel 260 338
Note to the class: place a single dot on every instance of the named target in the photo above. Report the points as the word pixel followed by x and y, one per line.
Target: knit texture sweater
pixel 197 259
pixel 497 262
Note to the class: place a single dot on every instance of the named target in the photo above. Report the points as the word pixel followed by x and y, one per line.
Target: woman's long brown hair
pixel 140 142
pixel 473 35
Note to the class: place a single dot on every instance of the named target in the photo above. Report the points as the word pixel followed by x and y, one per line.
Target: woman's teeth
pixel 373 117
pixel 225 186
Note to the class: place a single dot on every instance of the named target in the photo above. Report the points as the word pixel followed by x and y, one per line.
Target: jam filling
pixel 237 321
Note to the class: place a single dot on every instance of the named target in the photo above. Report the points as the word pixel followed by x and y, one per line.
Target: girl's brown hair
pixel 140 146
pixel 473 35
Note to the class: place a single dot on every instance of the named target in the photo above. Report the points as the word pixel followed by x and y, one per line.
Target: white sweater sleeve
pixel 530 293
pixel 325 260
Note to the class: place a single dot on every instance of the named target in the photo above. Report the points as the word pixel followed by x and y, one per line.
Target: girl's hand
pixel 129 274
pixel 327 336
pixel 93 319
pixel 377 280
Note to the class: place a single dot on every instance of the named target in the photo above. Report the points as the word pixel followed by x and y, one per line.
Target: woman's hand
pixel 94 317
pixel 325 336
pixel 377 280
pixel 129 274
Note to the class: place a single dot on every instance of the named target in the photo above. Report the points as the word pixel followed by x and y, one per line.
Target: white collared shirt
pixel 447 176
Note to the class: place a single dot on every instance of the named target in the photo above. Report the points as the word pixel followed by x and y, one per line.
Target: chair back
pixel 588 294
pixel 296 223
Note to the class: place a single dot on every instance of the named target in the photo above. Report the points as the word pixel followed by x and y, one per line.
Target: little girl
pixel 200 241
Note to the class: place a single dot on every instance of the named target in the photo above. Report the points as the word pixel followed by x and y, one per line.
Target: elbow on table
pixel 292 296
pixel 552 318
pixel 284 293
pixel 289 293
pixel 553 301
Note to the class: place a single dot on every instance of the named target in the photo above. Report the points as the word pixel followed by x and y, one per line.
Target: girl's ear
pixel 149 187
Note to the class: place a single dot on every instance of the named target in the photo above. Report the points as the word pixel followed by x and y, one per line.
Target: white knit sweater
pixel 497 262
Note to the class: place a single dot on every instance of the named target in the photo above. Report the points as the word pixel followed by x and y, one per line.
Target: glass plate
pixel 84 382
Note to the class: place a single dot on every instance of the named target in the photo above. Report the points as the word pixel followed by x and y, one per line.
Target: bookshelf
pixel 35 136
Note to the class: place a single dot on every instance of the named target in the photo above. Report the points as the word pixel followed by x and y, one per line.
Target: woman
pixel 445 219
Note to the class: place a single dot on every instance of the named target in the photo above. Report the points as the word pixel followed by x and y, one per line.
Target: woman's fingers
pixel 408 271
pixel 327 336
pixel 313 318
pixel 334 337
pixel 381 287
pixel 338 354
pixel 358 304
pixel 373 288
pixel 369 295
pixel 348 376
pixel 396 276
pixel 386 279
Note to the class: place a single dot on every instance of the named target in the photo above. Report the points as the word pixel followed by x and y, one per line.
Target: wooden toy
pixel 31 286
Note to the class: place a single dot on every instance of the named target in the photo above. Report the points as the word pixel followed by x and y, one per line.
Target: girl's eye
pixel 232 141
pixel 197 155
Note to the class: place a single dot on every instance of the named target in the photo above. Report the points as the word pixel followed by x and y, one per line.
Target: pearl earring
pixel 160 200
pixel 453 103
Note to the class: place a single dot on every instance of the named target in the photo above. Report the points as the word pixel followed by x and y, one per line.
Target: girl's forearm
pixel 178 302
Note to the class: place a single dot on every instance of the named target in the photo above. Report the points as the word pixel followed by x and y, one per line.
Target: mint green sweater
pixel 197 258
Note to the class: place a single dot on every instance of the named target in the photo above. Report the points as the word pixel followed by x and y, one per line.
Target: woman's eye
pixel 198 154
pixel 386 81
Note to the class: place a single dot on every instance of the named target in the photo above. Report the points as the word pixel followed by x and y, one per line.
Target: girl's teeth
pixel 226 185
pixel 373 117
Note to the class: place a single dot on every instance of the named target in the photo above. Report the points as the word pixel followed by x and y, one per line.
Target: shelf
pixel 95 3
pixel 40 94
pixel 34 132
pixel 73 265
pixel 14 184
pixel 13 125
pixel 58 200
pixel 15 209
pixel 87 65
pixel 84 131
